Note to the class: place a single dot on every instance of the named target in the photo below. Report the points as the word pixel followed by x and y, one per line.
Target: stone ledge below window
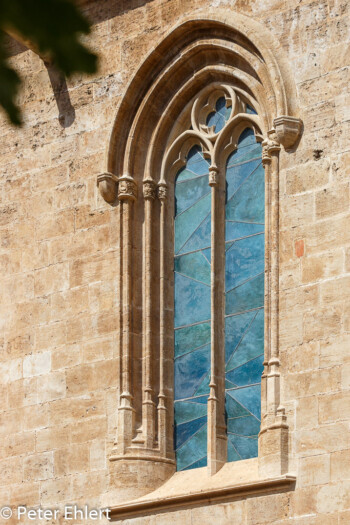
pixel 195 487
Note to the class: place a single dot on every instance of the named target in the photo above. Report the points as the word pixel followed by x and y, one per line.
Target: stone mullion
pixel 126 194
pixel 266 159
pixel 162 409
pixel 148 406
pixel 217 439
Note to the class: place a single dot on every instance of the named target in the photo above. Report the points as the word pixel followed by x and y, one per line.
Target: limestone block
pixel 314 470
pixel 37 364
pixel 38 467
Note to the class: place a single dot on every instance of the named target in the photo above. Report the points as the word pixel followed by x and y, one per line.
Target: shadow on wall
pixel 96 11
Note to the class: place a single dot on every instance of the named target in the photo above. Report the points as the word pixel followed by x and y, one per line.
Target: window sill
pixel 193 487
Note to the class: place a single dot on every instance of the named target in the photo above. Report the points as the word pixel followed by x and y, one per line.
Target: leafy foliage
pixel 53 27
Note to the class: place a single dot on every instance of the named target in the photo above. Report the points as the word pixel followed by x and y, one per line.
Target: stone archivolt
pixel 162 115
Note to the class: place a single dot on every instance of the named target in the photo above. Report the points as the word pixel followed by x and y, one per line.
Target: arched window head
pixel 198 134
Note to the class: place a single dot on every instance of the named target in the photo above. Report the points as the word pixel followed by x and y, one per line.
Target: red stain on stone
pixel 299 248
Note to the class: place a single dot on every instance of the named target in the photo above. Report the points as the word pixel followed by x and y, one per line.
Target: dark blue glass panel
pixel 190 369
pixel 244 296
pixel 199 464
pixel 247 374
pixel 186 430
pixel 196 162
pixel 195 266
pixel 191 337
pixel 193 451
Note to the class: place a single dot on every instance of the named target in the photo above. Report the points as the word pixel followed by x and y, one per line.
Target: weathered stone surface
pixel 59 260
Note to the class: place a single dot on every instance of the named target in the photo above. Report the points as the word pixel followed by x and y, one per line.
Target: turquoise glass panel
pixel 220 116
pixel 192 311
pixel 244 295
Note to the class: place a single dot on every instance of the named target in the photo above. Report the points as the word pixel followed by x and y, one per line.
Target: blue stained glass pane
pixel 237 174
pixel 244 260
pixel 192 310
pixel 192 301
pixel 191 337
pixel 249 397
pixel 190 409
pixel 247 204
pixel 244 296
pixel 194 450
pixel 189 191
pixel 190 369
pixel 195 266
pixel 247 447
pixel 187 222
pixel 220 116
pixel 244 426
pixel 238 230
pixel 186 430
pixel 200 237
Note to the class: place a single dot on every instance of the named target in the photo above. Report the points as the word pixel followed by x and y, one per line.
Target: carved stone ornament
pixel 107 184
pixel 288 130
pixel 126 189
pixel 162 191
pixel 149 189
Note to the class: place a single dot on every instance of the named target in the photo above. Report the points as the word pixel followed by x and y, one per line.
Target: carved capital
pixel 149 189
pixel 213 176
pixel 127 189
pixel 107 184
pixel 270 146
pixel 288 130
pixel 162 191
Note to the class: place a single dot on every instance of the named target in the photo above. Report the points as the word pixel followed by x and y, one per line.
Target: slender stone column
pixel 127 195
pixel 162 409
pixel 148 406
pixel 217 439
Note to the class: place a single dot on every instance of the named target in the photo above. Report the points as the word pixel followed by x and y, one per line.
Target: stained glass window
pixel 244 298
pixel 192 311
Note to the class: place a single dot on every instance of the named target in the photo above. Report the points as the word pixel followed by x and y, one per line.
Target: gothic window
pixel 198 132
pixel 243 233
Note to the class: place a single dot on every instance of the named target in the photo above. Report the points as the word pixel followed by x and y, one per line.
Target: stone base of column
pixel 132 477
pixel 273 446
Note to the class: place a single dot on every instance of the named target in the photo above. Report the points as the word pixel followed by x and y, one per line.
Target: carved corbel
pixel 288 130
pixel 213 176
pixel 107 184
pixel 127 189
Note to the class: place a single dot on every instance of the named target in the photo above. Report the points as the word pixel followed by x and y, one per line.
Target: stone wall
pixel 59 251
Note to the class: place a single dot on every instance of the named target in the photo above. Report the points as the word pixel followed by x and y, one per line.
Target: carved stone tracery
pixel 152 148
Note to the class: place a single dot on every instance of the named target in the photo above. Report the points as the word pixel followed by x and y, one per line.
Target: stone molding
pixel 187 499
pixel 154 130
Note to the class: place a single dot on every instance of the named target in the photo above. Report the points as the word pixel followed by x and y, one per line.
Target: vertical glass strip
pixel 192 310
pixel 244 296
